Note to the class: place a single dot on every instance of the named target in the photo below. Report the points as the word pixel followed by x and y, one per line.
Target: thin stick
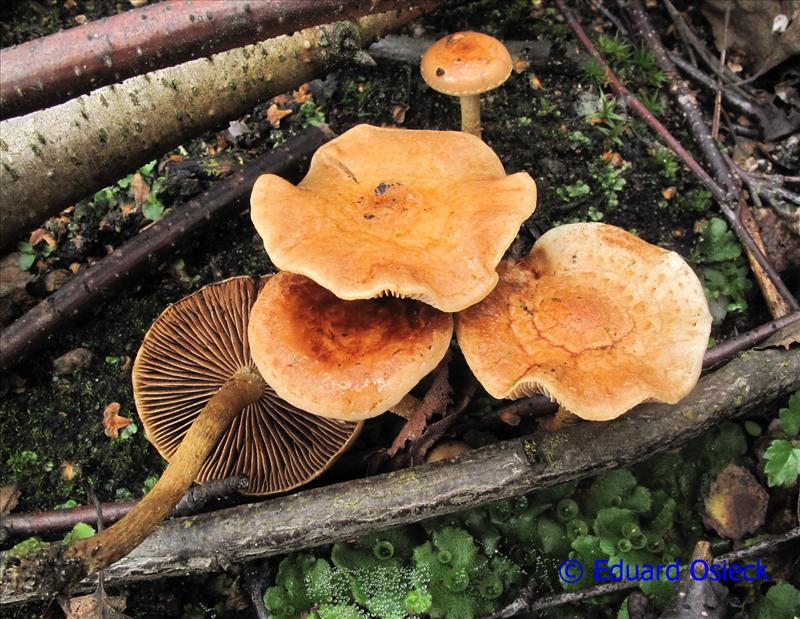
pixel 716 191
pixel 729 348
pixel 55 522
pixel 718 95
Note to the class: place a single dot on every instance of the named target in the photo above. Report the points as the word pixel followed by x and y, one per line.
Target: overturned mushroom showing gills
pixel 425 214
pixel 208 411
pixel 595 318
pixel 346 360
pixel 465 65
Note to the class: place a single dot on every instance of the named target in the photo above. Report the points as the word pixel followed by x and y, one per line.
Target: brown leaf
pixel 96 605
pixel 736 503
pixel 274 115
pixel 9 497
pixel 141 190
pixel 302 94
pixel 669 192
pixel 399 113
pixel 612 157
pixel 113 422
pixel 520 64
pixel 40 234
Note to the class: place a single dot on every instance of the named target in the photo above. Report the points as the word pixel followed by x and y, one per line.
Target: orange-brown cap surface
pixel 343 359
pixel 466 63
pixel 420 214
pixel 595 318
pixel 190 351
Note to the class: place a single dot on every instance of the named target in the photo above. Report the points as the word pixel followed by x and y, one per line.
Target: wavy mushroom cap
pixel 419 214
pixel 466 63
pixel 595 318
pixel 195 346
pixel 343 359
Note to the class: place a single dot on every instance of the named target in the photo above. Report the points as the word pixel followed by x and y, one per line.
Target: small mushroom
pixel 208 411
pixel 419 214
pixel 444 450
pixel 465 65
pixel 347 360
pixel 595 318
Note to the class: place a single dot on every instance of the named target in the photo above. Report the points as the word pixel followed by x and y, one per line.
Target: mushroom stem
pixel 103 549
pixel 471 114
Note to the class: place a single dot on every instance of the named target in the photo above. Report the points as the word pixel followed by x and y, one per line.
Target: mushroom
pixel 445 450
pixel 347 360
pixel 465 65
pixel 419 214
pixel 594 318
pixel 208 411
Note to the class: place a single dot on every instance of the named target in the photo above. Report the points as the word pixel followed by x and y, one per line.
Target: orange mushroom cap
pixel 420 214
pixel 191 350
pixel 343 359
pixel 466 63
pixel 595 318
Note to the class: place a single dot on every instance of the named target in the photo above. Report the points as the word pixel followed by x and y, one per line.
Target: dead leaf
pixel 141 190
pixel 96 605
pixel 736 503
pixel 520 64
pixel 75 360
pixel 9 497
pixel 81 19
pixel 669 192
pixel 399 113
pixel 302 94
pixel 275 114
pixel 69 470
pixel 535 82
pixel 39 235
pixel 113 422
pixel 127 209
pixel 70 4
pixel 781 238
pixel 613 158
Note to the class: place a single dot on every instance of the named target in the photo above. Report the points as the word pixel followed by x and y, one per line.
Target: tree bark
pixel 58 67
pixel 343 511
pixel 51 158
pixel 91 286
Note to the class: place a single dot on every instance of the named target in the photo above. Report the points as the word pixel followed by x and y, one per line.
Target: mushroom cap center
pixel 570 312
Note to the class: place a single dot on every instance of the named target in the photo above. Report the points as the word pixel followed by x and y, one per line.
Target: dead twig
pixel 729 348
pixel 50 523
pixel 719 194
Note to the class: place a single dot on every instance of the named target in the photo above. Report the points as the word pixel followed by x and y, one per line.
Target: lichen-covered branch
pixel 343 511
pixel 51 158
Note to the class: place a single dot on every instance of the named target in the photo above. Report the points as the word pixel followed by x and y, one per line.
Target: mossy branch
pixel 344 511
pixel 52 158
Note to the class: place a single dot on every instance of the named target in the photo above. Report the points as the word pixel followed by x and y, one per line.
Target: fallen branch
pixel 56 522
pixel 310 518
pixel 91 286
pixel 716 191
pixel 58 67
pixel 51 158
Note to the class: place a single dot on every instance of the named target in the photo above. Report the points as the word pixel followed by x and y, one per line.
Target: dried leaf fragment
pixel 113 422
pixel 736 503
pixel 141 190
pixel 9 497
pixel 275 114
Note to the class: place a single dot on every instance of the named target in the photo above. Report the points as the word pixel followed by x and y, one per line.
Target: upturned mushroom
pixel 347 360
pixel 208 411
pixel 419 214
pixel 465 65
pixel 595 318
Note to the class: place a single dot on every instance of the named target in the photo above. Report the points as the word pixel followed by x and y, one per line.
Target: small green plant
pixel 576 190
pixel 311 115
pixel 617 49
pixel 723 270
pixel 665 159
pixel 782 601
pixel 611 181
pixel 606 119
pixel 782 457
pixel 594 71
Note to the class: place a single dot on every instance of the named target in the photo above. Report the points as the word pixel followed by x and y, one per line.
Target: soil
pixel 49 421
